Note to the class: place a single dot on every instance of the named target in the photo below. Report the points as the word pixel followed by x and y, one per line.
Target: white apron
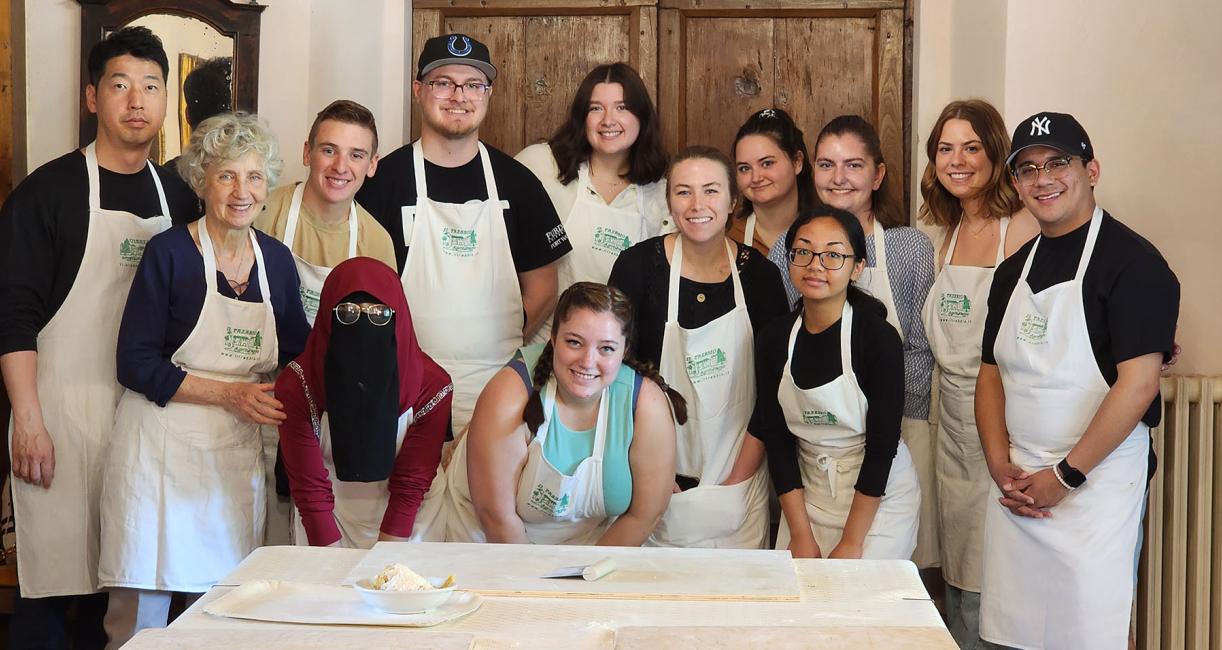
pixel 598 233
pixel 953 315
pixel 916 433
pixel 714 366
pixel 360 507
pixel 462 285
pixel 58 527
pixel 1065 581
pixel 830 422
pixel 312 276
pixel 189 502
pixel 556 508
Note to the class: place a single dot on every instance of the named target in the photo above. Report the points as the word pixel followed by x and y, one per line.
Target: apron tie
pixel 826 463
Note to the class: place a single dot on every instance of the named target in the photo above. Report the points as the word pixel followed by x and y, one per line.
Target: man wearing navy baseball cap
pixel 476 237
pixel 1080 320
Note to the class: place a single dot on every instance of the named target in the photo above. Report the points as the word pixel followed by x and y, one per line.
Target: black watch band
pixel 1072 476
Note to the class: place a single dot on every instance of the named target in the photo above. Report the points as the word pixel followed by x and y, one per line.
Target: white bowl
pixel 405 602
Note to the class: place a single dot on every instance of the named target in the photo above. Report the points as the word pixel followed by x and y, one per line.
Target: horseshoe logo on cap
pixel 466 46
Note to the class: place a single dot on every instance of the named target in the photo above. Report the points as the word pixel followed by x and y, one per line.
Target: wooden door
pixel 6 100
pixel 542 50
pixel 814 62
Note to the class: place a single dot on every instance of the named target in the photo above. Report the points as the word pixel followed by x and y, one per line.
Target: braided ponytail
pixel 677 403
pixel 532 414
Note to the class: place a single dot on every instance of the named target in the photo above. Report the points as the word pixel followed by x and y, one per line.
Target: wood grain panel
pixel 726 75
pixel 6 102
pixel 824 68
pixel 889 109
pixel 764 6
pixel 670 48
pixel 514 6
pixel 645 43
pixel 560 51
pixel 505 37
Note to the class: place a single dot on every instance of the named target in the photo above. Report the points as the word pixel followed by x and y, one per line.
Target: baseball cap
pixel 454 48
pixel 1057 130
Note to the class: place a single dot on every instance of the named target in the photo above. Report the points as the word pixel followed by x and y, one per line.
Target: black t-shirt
pixel 43 228
pixel 878 362
pixel 643 274
pixel 1131 296
pixel 536 237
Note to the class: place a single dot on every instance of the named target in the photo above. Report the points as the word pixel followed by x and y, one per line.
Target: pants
pixel 132 610
pixel 58 622
pixel 963 618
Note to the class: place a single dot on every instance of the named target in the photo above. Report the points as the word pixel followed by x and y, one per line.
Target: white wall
pixel 1142 78
pixel 311 52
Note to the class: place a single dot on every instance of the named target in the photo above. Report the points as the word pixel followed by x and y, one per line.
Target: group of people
pixel 593 343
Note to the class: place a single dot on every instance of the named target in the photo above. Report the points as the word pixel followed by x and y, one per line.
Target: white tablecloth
pixel 834 593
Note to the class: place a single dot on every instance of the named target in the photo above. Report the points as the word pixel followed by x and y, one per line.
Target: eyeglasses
pixel 349 312
pixel 831 260
pixel 445 89
pixel 1029 173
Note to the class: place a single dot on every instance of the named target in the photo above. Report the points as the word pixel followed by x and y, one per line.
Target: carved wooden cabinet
pixel 708 63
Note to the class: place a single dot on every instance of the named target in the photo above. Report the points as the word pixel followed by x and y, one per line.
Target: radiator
pixel 1179 593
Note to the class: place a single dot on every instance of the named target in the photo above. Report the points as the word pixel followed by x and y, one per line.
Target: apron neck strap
pixel 95 182
pixel 880 247
pixel 209 255
pixel 749 231
pixel 1088 249
pixel 846 337
pixel 422 192
pixel 1001 242
pixel 294 215
pixel 549 412
pixel 676 268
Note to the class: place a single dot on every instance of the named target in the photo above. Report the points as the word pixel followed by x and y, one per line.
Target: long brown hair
pixel 600 299
pixel 571 147
pixel 886 205
pixel 941 208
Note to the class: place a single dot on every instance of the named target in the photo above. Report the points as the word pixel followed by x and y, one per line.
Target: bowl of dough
pixel 399 590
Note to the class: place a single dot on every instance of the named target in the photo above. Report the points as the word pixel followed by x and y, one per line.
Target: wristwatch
pixel 1070 475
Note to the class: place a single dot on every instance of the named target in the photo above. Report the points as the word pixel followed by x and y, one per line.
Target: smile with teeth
pixel 1047 197
pixel 700 219
pixel 958 176
pixel 338 182
pixel 585 376
pixel 611 134
pixel 841 190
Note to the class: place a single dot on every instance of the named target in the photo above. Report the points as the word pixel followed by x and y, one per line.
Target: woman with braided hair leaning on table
pixel 573 442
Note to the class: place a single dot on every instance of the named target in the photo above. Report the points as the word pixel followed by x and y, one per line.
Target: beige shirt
pixel 539 160
pixel 323 244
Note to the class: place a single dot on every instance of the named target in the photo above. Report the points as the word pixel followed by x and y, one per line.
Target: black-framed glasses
pixel 1029 173
pixel 349 312
pixel 831 260
pixel 445 89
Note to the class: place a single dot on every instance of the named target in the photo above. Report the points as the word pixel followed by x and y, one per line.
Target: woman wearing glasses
pixel 213 311
pixel 970 199
pixel 850 174
pixel 366 414
pixel 603 169
pixel 699 297
pixel 846 482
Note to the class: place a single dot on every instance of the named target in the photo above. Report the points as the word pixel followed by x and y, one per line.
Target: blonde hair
pixel 941 208
pixel 229 136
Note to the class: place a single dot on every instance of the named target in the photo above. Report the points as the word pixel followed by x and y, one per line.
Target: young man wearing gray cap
pixel 476 237
pixel 1080 320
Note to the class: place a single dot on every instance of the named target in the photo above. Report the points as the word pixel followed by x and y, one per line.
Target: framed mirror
pixel 213 50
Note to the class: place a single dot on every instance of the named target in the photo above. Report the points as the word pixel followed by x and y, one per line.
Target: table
pixel 843 603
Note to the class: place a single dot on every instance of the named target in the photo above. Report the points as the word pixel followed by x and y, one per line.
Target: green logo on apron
pixel 546 501
pixel 954 308
pixel 1033 329
pixel 242 343
pixel 819 418
pixel 706 365
pixel 131 250
pixel 458 242
pixel 609 240
pixel 309 300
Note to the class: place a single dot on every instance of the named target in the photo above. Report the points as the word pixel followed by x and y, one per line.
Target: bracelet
pixel 1056 471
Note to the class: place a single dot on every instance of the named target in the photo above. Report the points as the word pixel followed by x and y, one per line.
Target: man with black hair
pixel 71 235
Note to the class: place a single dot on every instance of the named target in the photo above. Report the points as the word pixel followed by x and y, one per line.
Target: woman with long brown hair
pixel 573 442
pixel 969 198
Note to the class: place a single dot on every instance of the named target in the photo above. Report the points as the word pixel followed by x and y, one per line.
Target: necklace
pixel 233 270
pixel 975 231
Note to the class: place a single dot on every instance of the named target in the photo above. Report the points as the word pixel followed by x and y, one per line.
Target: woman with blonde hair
pixel 969 198
pixel 213 311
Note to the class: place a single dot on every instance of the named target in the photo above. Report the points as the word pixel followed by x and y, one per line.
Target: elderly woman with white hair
pixel 213 311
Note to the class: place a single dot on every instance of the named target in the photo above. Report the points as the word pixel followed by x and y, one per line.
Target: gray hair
pixel 229 136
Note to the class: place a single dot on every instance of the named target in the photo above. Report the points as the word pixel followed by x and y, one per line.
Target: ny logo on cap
pixel 1040 126
pixel 466 46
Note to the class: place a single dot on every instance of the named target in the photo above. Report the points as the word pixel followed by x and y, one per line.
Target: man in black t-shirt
pixel 478 249
pixel 1079 322
pixel 71 236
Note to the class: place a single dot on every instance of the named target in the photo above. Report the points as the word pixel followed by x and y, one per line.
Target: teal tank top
pixel 565 448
